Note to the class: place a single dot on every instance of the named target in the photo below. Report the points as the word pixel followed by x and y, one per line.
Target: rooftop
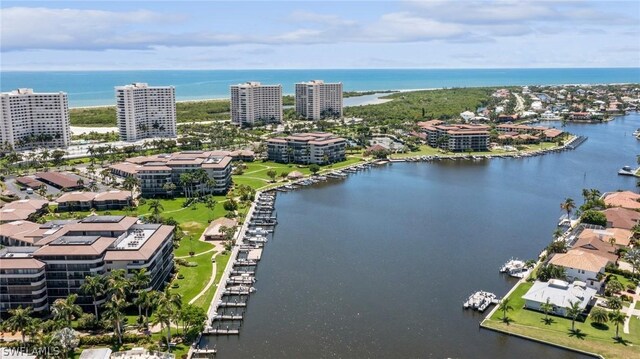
pixel 560 293
pixel 579 259
pixel 624 199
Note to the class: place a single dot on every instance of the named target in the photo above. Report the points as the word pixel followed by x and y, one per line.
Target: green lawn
pixel 221 263
pixel 195 278
pixel 255 175
pixel 591 338
pixel 620 278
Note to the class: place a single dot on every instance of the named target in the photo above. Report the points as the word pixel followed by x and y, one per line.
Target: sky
pixel 138 35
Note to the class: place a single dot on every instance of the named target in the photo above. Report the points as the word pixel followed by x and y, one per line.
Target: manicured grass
pixel 191 245
pixel 590 338
pixel 637 305
pixel 255 175
pixel 620 278
pixel 205 300
pixel 195 278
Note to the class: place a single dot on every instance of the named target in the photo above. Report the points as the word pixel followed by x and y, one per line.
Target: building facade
pixel 316 100
pixel 55 258
pixel 306 148
pixel 145 111
pixel 456 138
pixel 30 119
pixel 210 172
pixel 254 103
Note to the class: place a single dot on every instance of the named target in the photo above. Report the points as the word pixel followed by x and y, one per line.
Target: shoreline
pixel 196 100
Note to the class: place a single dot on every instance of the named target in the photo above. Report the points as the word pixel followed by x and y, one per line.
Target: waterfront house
pixel 560 295
pixel 580 116
pixel 23 209
pixel 619 217
pixel 597 242
pixel 624 199
pixel 580 265
pixel 214 233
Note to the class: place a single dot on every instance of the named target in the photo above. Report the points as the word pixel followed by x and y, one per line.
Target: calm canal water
pixel 378 265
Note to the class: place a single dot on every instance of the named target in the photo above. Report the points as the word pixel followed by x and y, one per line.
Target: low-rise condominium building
pixel 306 148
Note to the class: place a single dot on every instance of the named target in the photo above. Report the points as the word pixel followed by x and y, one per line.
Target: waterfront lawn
pixel 590 338
pixel 221 262
pixel 195 278
pixel 255 175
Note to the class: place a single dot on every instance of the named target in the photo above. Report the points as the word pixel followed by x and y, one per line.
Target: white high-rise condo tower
pixel 252 103
pixel 316 99
pixel 146 111
pixel 30 119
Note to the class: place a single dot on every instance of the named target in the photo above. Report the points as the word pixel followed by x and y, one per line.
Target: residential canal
pixel 378 265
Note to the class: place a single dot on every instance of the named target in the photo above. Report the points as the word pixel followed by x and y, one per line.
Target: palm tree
pixel 568 205
pixel 93 286
pixel 48 344
pixel 148 299
pixel 66 309
pixel 130 183
pixel 546 308
pixel 614 303
pixel 505 307
pixel 117 283
pixel 617 317
pixel 633 257
pixel 140 281
pixel 599 315
pixel 156 208
pixel 169 305
pixel 113 314
pixel 163 317
pixel 19 321
pixel 80 182
pixel 210 204
pixel 573 312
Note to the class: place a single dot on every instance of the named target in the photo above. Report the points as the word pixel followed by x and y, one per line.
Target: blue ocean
pixel 95 88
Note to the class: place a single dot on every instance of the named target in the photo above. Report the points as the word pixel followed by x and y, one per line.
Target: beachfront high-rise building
pixel 316 100
pixel 253 103
pixel 146 111
pixel 30 119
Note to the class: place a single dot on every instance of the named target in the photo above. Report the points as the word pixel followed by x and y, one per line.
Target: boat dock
pixel 226 312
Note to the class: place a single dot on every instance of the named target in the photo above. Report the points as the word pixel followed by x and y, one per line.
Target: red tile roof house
pixel 618 217
pixel 597 243
pixel 624 199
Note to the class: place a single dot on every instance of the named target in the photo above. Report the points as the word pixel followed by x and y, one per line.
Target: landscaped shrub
pixel 594 217
pixel 180 276
pixel 87 321
pixel 625 298
pixel 175 285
